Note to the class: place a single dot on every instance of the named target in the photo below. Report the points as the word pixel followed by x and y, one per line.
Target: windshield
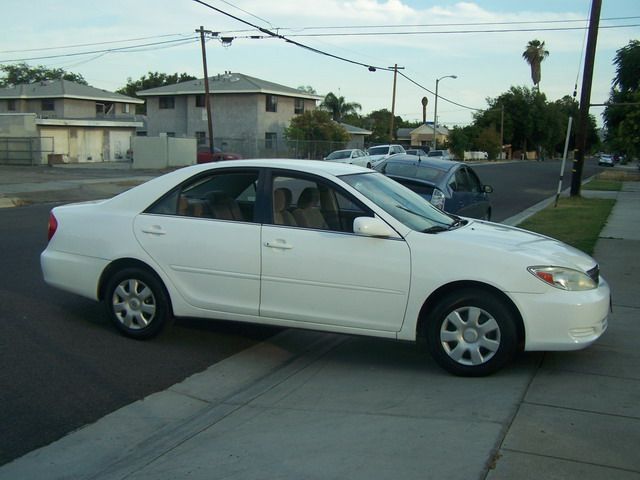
pixel 398 201
pixel 378 150
pixel 339 154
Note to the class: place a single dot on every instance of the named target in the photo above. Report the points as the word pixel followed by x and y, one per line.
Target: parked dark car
pixel 450 186
pixel 205 156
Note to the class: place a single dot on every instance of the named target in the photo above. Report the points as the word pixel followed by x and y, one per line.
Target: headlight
pixel 437 199
pixel 564 278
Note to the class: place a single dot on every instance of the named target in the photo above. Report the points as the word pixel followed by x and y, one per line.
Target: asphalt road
pixel 520 185
pixel 64 365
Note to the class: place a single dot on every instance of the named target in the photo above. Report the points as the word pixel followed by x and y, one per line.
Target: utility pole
pixel 585 98
pixel 393 100
pixel 207 100
pixel 501 130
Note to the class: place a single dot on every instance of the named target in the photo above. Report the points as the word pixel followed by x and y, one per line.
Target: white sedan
pixel 330 247
pixel 353 156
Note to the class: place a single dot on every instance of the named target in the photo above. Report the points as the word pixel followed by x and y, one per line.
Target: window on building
pixel 126 108
pixel 270 140
pixel 48 105
pixel 272 103
pixel 167 102
pixel 99 108
pixel 200 101
pixel 11 105
pixel 299 106
pixel 201 138
pixel 169 134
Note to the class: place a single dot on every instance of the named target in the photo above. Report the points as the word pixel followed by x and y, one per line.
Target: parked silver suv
pixel 380 152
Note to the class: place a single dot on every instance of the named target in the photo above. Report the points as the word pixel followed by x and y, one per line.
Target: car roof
pixel 149 191
pixel 421 161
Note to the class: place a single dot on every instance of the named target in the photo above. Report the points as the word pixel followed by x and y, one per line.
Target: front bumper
pixel 562 320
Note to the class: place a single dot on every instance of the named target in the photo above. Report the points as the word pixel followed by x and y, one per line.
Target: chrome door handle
pixel 154 230
pixel 278 244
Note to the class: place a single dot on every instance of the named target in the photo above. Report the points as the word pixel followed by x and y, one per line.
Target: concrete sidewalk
pixel 322 406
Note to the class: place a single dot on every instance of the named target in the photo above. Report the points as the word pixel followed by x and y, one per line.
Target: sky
pixel 427 39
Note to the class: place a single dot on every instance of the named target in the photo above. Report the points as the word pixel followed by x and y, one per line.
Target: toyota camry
pixel 325 246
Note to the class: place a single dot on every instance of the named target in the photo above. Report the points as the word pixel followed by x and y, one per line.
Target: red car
pixel 205 156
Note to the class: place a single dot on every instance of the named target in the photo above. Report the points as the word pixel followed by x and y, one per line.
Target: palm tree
pixel 534 55
pixel 338 106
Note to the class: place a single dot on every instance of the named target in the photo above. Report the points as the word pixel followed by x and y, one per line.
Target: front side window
pixel 222 196
pixel 307 203
pixel 462 183
pixel 474 181
pixel 167 102
pixel 272 103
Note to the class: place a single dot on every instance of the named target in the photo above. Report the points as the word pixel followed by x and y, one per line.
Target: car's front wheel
pixel 137 303
pixel 471 333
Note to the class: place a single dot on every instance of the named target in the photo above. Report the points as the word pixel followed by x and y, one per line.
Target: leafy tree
pixel 534 54
pixel 316 134
pixel 461 139
pixel 307 89
pixel 23 73
pixel 338 106
pixel 151 80
pixel 622 116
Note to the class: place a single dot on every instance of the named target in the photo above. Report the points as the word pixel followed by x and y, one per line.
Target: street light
pixel 435 113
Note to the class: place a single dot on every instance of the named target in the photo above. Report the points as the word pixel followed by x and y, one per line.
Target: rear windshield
pixel 410 170
pixel 339 154
pixel 378 150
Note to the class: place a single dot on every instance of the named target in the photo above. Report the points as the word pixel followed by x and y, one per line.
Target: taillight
pixel 53 226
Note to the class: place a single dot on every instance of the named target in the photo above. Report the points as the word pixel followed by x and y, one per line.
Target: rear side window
pixel 223 196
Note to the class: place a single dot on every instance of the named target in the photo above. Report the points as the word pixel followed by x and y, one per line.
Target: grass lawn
pixel 576 221
pixel 599 184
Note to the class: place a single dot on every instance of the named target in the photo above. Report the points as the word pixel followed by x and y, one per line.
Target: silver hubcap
pixel 134 304
pixel 470 336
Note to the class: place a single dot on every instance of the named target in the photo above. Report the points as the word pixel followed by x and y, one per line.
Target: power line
pixel 439 96
pixel 293 42
pixel 77 45
pixel 130 48
pixel 461 24
pixel 450 32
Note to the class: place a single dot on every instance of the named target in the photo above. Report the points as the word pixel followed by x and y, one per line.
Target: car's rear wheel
pixel 471 333
pixel 137 303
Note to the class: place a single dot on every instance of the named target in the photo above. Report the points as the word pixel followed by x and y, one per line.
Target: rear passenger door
pixel 205 237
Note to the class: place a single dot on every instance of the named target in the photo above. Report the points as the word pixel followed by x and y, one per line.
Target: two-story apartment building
pixel 249 114
pixel 65 120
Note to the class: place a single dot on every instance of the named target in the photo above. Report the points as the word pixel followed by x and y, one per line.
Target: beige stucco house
pixel 63 121
pixel 249 114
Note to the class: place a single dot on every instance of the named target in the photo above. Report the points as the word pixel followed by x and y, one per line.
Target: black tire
pixel 368 165
pixel 137 303
pixel 471 333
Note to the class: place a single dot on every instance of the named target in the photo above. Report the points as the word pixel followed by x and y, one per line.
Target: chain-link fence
pixel 25 150
pixel 278 148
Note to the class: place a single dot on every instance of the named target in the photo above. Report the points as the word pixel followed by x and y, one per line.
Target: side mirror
pixel 487 189
pixel 372 227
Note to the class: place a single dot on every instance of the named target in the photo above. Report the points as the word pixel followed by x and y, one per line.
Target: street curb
pixel 8 202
